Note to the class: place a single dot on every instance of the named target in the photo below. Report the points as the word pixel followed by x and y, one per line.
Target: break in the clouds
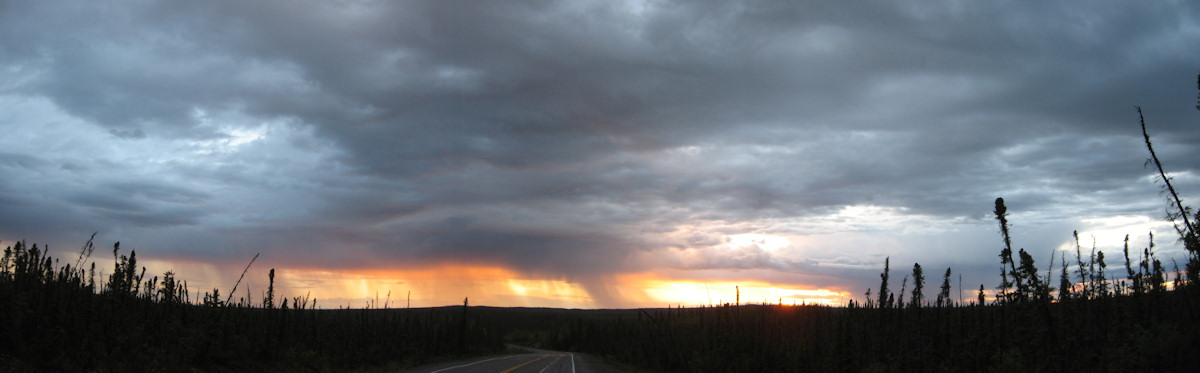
pixel 581 140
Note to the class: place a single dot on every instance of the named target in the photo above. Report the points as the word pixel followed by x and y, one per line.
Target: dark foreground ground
pixel 523 359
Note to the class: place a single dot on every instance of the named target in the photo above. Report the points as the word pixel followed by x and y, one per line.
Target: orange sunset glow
pixel 448 284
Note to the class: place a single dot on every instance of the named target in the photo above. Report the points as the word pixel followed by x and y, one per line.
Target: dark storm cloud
pixel 147 204
pixel 575 137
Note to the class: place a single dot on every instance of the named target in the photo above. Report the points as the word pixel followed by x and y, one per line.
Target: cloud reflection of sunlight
pixel 434 286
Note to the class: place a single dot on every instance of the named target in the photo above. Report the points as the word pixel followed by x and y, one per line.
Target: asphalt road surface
pixel 536 361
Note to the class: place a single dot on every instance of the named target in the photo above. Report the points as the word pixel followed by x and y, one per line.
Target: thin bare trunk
pixel 1187 223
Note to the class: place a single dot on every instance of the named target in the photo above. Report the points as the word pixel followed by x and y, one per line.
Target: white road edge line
pixel 477 362
pixel 572 363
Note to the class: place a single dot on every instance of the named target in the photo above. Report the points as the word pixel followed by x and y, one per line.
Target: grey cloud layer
pixel 574 137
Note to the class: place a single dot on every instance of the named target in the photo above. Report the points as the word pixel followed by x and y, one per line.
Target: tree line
pixel 62 317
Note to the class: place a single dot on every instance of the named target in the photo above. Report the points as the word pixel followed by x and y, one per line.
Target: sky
pixel 590 154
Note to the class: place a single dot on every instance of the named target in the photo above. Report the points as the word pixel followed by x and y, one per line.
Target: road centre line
pixel 470 364
pixel 556 359
pixel 509 370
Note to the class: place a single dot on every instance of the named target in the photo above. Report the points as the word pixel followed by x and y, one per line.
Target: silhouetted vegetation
pixel 1091 325
pixel 55 319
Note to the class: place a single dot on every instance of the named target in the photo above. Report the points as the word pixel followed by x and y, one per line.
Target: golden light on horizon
pixel 448 284
pixel 433 286
pixel 550 289
pixel 488 285
pixel 700 292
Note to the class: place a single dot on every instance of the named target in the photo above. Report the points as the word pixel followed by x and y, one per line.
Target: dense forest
pixel 1087 313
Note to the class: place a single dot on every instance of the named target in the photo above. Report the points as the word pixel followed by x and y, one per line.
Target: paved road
pixel 536 361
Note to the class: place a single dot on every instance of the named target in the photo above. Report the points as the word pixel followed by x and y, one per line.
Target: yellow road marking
pixel 509 370
pixel 556 359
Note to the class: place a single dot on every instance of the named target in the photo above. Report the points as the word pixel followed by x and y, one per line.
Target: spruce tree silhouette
pixel 883 287
pixel 1135 280
pixel 1102 285
pixel 1028 275
pixel 918 285
pixel 943 299
pixel 1006 258
pixel 1064 282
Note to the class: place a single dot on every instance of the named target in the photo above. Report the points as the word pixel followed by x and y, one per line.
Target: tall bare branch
pixel 1183 213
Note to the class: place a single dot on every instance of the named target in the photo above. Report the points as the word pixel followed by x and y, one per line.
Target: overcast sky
pixel 794 143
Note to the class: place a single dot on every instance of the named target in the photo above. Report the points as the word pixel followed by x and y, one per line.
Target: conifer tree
pixel 1133 277
pixel 269 302
pixel 1002 291
pixel 1006 258
pixel 1178 280
pixel 883 287
pixel 1093 285
pixel 1083 274
pixel 170 291
pixel 943 299
pixel 1064 282
pixel 1158 280
pixel 1049 277
pixel 918 284
pixel 1102 288
pixel 1028 274
pixel 1144 267
pixel 213 299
